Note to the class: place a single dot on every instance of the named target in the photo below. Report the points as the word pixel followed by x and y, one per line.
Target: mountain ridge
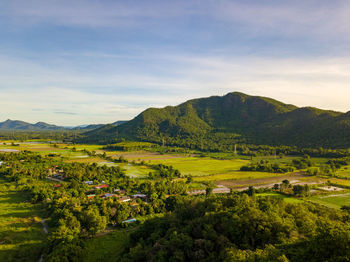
pixel 254 119
pixel 18 125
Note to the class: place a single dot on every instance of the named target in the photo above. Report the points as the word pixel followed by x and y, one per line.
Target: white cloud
pixel 32 92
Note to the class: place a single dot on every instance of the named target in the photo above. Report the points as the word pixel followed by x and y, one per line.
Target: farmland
pixel 160 177
pixel 221 168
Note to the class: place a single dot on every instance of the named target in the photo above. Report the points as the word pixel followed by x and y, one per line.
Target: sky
pixel 98 61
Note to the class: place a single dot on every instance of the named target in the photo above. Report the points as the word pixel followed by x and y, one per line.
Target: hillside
pixel 232 118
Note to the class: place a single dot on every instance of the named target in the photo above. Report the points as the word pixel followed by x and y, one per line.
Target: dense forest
pixel 235 118
pixel 242 228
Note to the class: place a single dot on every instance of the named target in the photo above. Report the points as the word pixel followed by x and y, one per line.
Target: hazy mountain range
pixel 17 125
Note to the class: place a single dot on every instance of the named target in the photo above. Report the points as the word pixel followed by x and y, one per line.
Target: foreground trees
pixel 242 228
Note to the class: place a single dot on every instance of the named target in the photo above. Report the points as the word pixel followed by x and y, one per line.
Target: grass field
pixel 332 200
pixel 341 182
pixel 21 235
pixel 106 248
pixel 237 175
pixel 344 172
pixel 197 166
pixel 288 199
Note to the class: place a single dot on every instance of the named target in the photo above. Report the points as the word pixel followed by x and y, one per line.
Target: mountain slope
pixel 235 116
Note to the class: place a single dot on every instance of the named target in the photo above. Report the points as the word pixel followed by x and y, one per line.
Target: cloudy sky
pixel 97 61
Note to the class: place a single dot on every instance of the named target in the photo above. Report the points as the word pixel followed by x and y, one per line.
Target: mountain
pixel 118 123
pixel 233 118
pixel 18 125
pixel 96 126
pixel 87 127
pixel 21 125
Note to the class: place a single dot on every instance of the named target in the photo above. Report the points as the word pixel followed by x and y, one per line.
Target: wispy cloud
pixel 81 98
pixel 64 113
pixel 89 61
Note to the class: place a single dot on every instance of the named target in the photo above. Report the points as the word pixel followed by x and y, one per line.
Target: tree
pixel 251 191
pixel 92 221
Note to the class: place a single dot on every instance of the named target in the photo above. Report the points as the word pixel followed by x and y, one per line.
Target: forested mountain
pixel 229 119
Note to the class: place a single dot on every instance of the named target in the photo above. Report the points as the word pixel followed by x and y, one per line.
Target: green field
pixel 332 200
pixel 107 247
pixel 237 175
pixel 197 166
pixel 344 172
pixel 288 199
pixel 21 234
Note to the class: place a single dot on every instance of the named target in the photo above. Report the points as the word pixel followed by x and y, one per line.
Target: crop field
pixel 332 200
pixel 21 233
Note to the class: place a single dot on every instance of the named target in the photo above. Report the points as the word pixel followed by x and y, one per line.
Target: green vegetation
pixel 242 228
pixel 286 198
pixel 82 189
pixel 21 234
pixel 106 247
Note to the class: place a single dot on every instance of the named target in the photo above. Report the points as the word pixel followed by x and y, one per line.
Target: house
pixel 89 182
pixel 101 186
pixel 91 196
pixel 58 185
pixel 124 199
pixel 132 220
pixel 138 195
pixel 134 204
pixel 120 191
pixel 108 195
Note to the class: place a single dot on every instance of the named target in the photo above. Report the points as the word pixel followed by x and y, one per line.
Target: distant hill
pixel 233 118
pixel 87 127
pixel 95 126
pixel 17 125
pixel 21 125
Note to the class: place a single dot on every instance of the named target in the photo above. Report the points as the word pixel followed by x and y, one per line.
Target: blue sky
pixel 88 61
